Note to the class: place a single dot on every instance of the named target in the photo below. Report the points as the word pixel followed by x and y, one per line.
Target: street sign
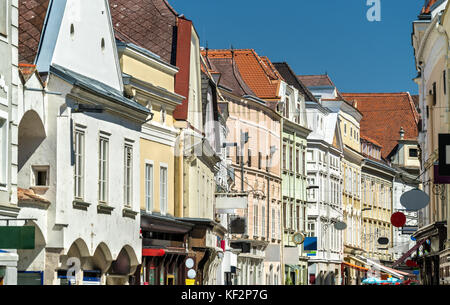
pixel 12 237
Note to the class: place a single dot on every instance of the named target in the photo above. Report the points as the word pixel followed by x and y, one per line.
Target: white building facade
pixel 76 133
pixel 324 157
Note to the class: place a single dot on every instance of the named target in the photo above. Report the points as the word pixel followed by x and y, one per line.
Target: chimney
pixel 402 133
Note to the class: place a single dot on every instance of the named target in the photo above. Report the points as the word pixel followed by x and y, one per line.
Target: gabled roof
pixel 147 23
pixel 286 72
pixel 230 77
pixel 257 72
pixel 383 116
pixel 31 20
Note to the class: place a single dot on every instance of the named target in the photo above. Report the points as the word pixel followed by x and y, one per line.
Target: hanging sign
pixel 340 225
pixel 414 200
pixel 398 219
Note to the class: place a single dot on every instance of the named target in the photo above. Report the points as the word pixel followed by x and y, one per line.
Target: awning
pixel 393 272
pixel 407 254
pixel 355 266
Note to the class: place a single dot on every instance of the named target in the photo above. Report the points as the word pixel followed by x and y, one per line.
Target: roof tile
pixel 383 116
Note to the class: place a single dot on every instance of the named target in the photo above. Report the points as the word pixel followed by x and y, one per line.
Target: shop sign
pixel 12 237
pixel 190 281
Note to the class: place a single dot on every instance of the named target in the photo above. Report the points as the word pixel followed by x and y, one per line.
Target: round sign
pixel 414 200
pixel 398 219
pixel 189 263
pixel 383 240
pixel 340 225
pixel 191 274
pixel 298 238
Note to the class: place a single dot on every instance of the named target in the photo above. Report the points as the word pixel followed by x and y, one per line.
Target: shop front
pixel 428 254
pixel 207 241
pixel 164 244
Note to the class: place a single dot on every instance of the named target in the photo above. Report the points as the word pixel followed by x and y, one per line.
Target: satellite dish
pixel 383 240
pixel 414 200
pixel 340 225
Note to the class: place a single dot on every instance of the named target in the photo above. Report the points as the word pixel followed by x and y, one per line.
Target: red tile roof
pixel 383 116
pixel 31 20
pixel 367 139
pixel 147 23
pixel 257 72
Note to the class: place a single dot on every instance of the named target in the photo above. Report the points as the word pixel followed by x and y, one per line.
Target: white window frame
pixel 79 170
pixel 163 205
pixel 149 189
pixel 103 180
pixel 128 184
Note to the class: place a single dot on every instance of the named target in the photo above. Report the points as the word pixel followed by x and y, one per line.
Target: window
pixel 413 153
pixel 40 175
pixel 260 160
pixel 79 164
pixel 291 158
pixel 433 93
pixel 345 129
pixel 311 229
pixel 163 189
pixel 284 156
pixel 255 220
pixel 149 187
pixel 444 80
pixel 304 163
pixel 286 108
pixel 263 221
pixel 4 18
pixel 128 173
pixel 273 223
pixel 103 170
pixel 249 158
pixel 237 156
pixel 297 161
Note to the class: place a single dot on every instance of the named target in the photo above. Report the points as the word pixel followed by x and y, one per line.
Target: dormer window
pixel 413 153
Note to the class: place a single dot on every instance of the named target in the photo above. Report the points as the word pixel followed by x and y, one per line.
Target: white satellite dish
pixel 340 225
pixel 414 200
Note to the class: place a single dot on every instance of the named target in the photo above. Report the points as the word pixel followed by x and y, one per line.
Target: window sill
pixel 104 209
pixel 80 205
pixel 127 212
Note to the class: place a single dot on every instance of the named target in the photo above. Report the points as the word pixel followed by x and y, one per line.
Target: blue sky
pixel 317 37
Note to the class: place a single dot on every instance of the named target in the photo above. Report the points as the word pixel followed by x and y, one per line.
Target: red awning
pixel 153 252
